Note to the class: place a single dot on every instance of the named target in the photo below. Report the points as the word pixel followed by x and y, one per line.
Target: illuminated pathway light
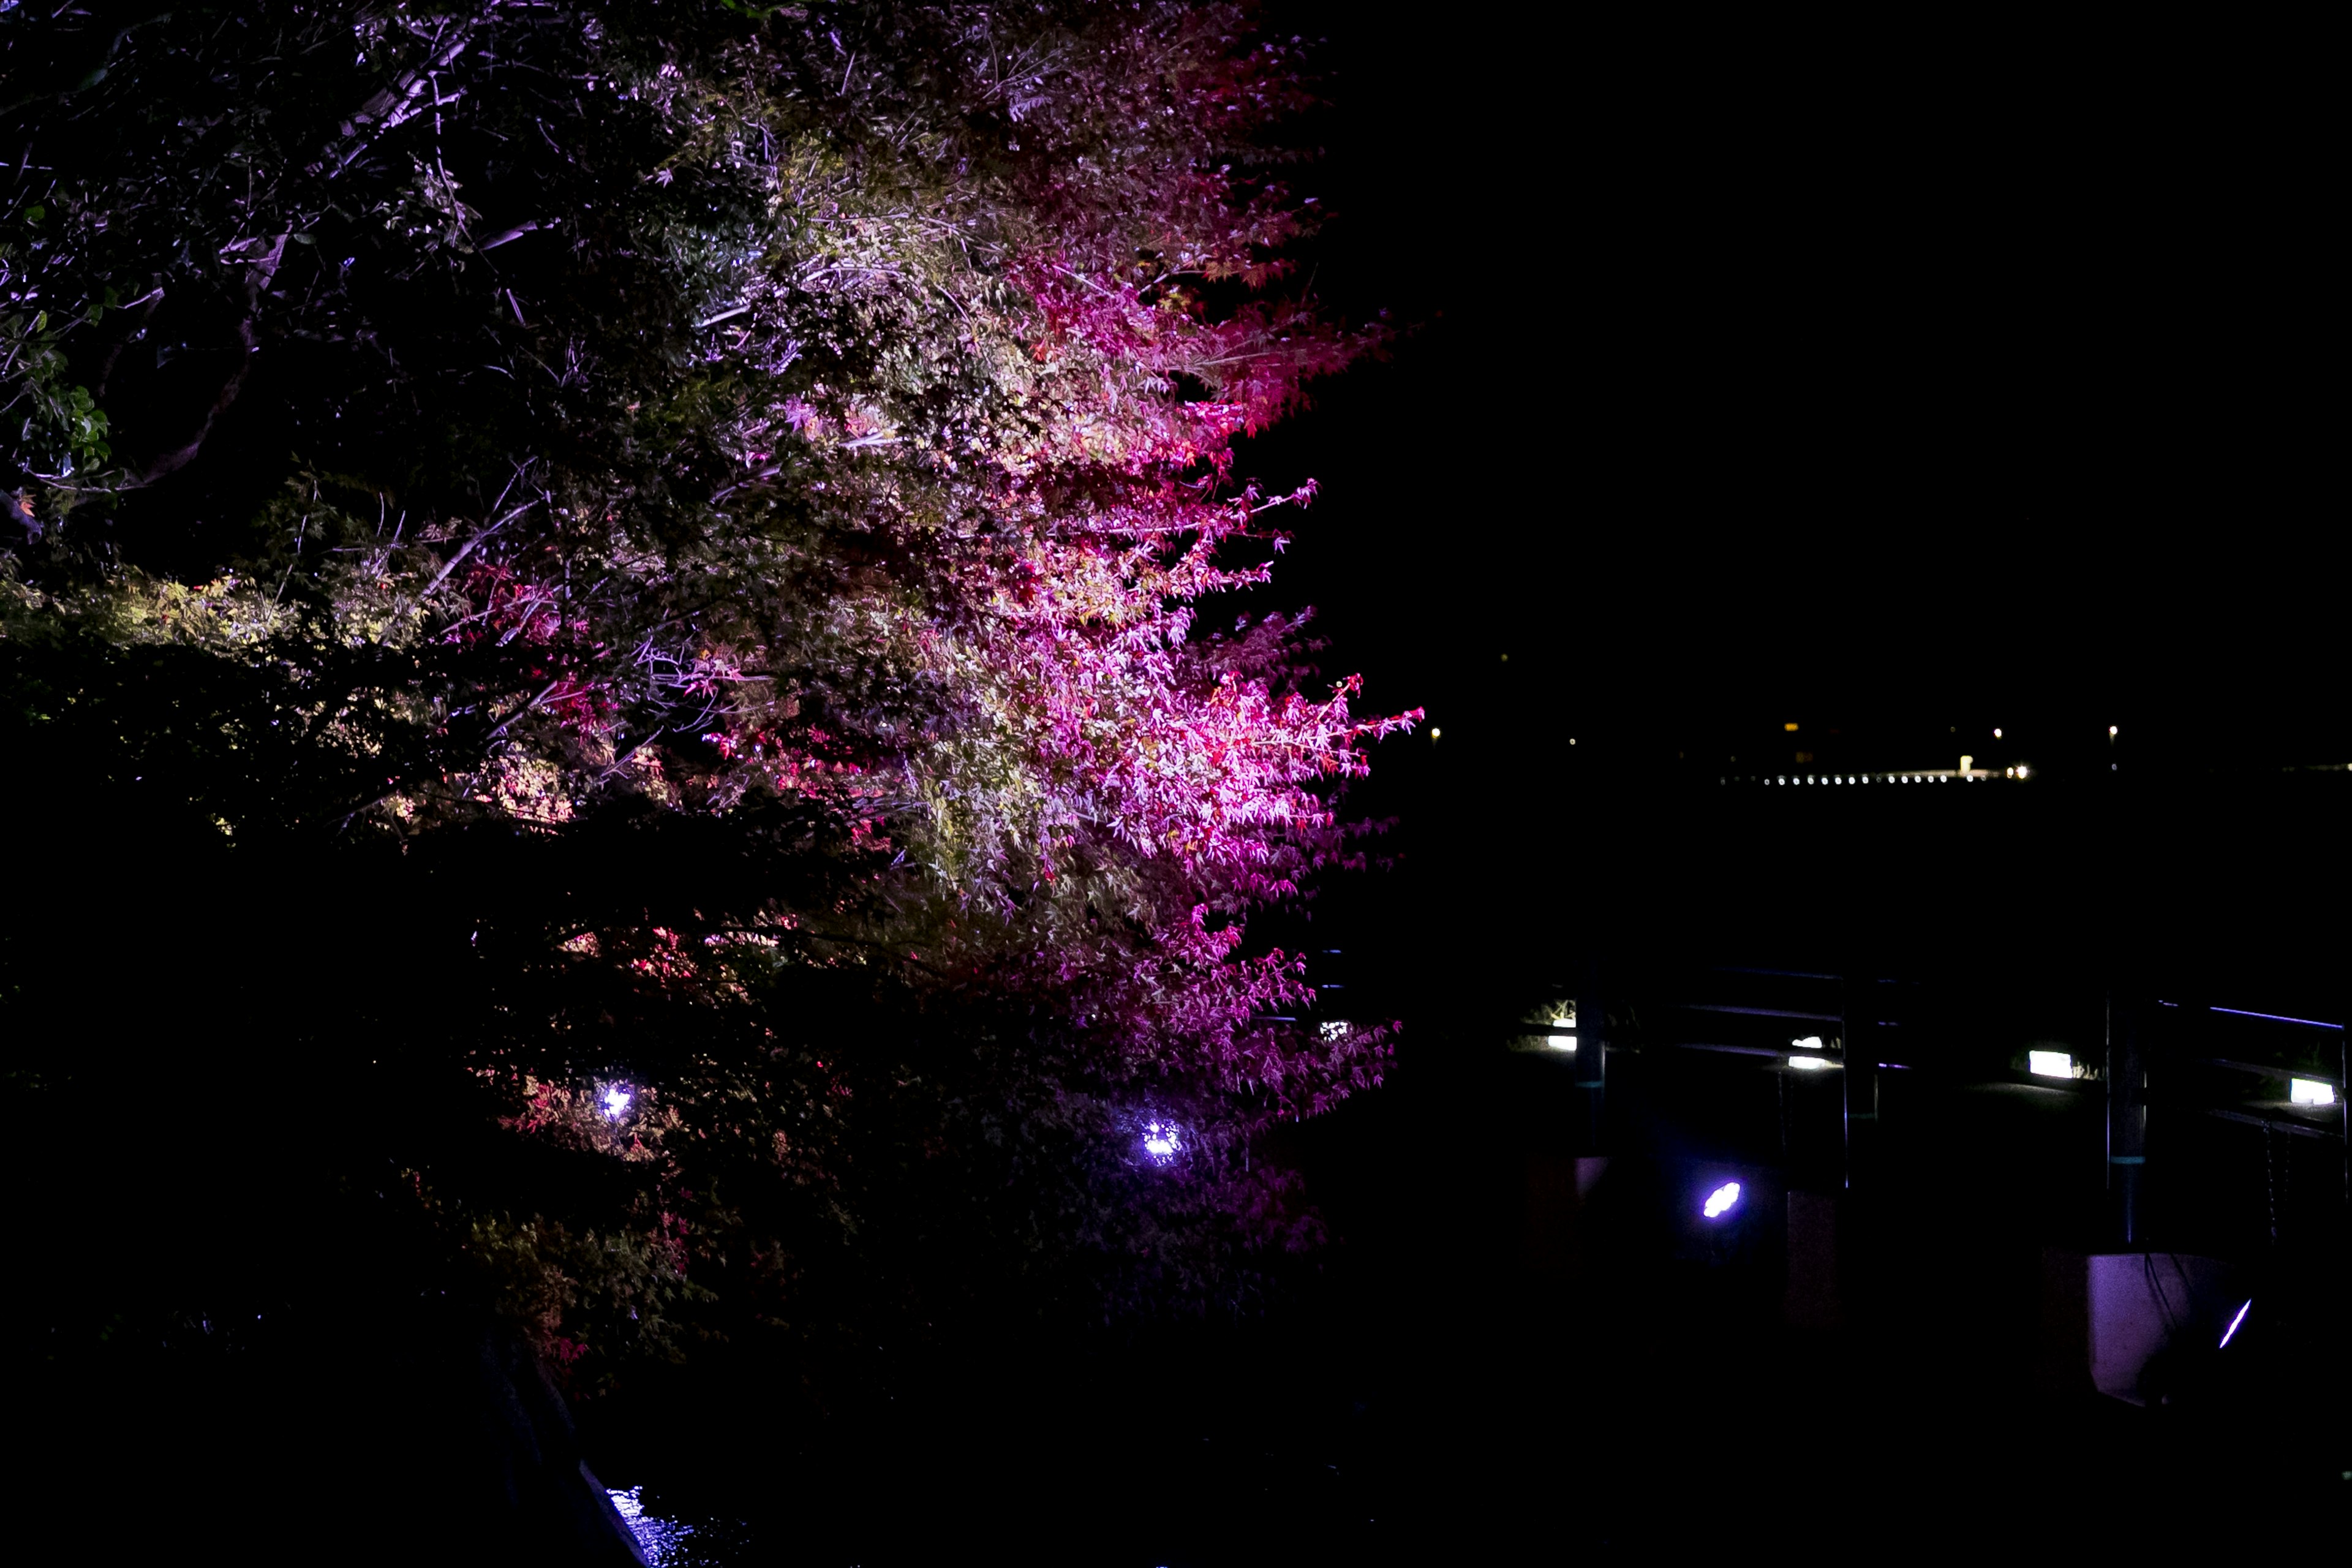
pixel 1719 1201
pixel 2050 1064
pixel 2308 1091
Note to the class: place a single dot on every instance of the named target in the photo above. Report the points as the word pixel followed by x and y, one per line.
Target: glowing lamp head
pixel 2231 1331
pixel 1812 1064
pixel 1161 1141
pixel 2310 1091
pixel 1807 1043
pixel 1721 1201
pixel 616 1102
pixel 2050 1064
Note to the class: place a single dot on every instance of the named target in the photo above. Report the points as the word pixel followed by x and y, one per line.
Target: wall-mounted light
pixel 2050 1064
pixel 2310 1091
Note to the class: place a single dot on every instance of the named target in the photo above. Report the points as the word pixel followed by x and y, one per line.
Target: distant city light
pixel 2309 1091
pixel 2021 770
pixel 1719 1201
pixel 616 1102
pixel 2228 1332
pixel 2050 1064
pixel 1996 735
pixel 1791 728
pixel 1809 1042
pixel 1812 1064
pixel 1434 731
pixel 2111 732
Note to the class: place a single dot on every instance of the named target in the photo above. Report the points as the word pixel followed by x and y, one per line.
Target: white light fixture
pixel 2111 732
pixel 1721 1201
pixel 616 1102
pixel 1336 1029
pixel 1564 1043
pixel 2230 1332
pixel 2050 1064
pixel 1996 735
pixel 1810 1043
pixel 2309 1091
pixel 1812 1064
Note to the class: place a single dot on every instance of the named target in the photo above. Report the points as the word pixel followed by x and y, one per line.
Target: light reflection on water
pixel 664 1540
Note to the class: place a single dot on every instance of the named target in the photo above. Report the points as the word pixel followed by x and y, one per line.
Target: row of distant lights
pixel 2299 1090
pixel 1891 778
pixel 2015 772
pixel 1562 1041
pixel 1806 1056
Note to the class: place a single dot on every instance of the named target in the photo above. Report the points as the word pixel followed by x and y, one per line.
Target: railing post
pixel 2127 1075
pixel 1591 1058
pixel 1861 1062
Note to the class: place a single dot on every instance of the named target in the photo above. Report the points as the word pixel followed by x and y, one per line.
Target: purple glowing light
pixel 2232 1329
pixel 1163 1141
pixel 616 1103
pixel 1721 1201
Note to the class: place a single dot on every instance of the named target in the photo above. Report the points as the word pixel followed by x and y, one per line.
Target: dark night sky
pixel 1895 383
pixel 1849 378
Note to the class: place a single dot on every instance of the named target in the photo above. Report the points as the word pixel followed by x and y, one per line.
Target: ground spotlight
pixel 1163 1141
pixel 2050 1064
pixel 1721 1201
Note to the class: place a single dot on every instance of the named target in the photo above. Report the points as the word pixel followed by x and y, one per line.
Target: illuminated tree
pixel 798 437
